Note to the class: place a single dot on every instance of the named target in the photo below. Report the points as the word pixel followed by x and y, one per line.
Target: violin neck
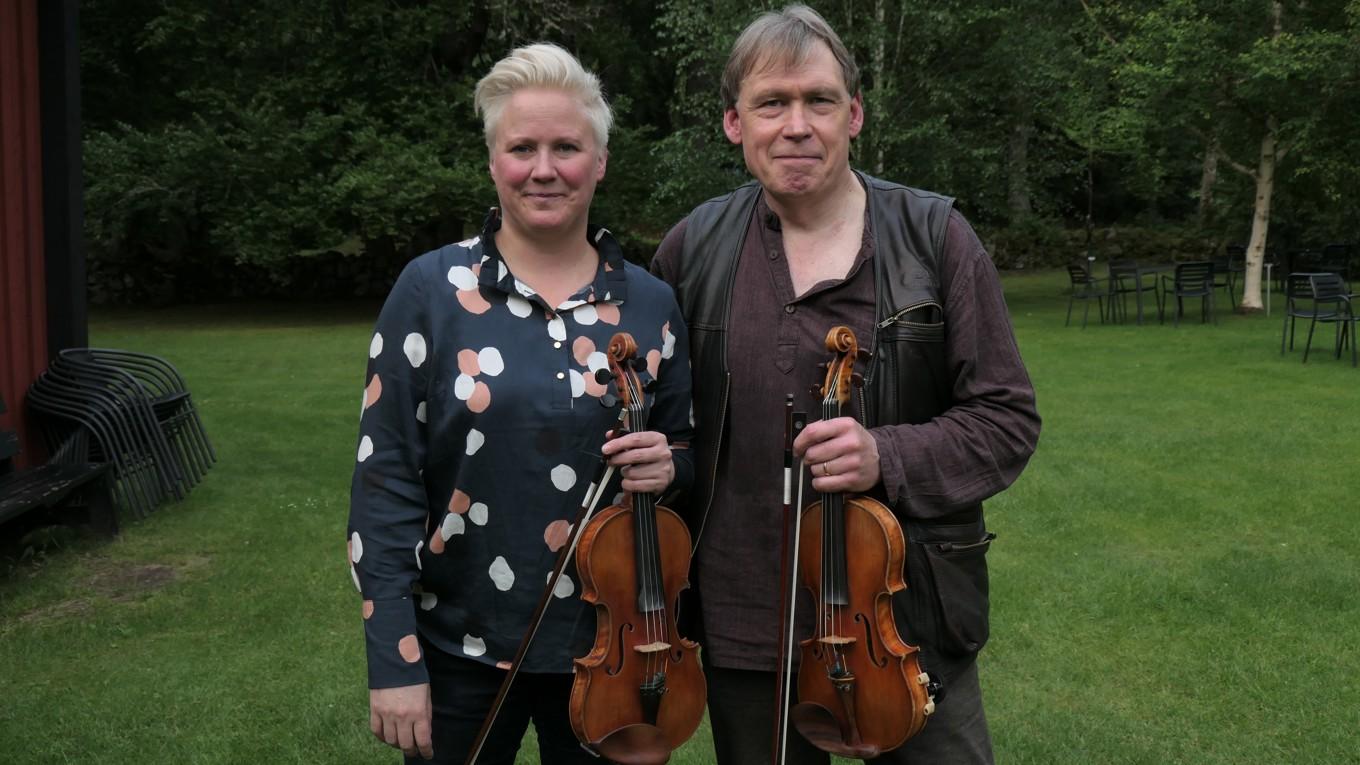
pixel 834 571
pixel 647 548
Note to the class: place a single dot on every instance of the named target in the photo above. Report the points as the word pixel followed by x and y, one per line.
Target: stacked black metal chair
pixel 69 417
pixel 169 398
pixel 133 412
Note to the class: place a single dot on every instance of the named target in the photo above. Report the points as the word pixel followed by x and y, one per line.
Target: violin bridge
pixel 656 647
pixel 835 640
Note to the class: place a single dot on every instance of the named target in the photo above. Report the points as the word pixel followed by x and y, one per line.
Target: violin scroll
pixel 841 342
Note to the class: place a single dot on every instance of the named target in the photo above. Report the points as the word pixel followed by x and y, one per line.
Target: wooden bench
pixel 52 493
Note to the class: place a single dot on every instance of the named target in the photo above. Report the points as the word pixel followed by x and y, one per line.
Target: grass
pixel 1174 580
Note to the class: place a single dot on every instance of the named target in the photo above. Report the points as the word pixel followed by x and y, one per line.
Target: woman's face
pixel 545 163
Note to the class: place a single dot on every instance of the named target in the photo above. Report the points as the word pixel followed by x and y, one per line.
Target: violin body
pixel 887 701
pixel 641 673
pixel 861 691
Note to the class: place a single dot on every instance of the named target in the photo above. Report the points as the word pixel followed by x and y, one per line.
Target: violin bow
pixel 794 422
pixel 588 506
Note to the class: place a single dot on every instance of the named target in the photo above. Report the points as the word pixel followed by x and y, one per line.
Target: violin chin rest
pixel 821 729
pixel 636 744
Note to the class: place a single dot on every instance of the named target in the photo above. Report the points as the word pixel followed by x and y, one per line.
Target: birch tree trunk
pixel 1265 186
pixel 1260 220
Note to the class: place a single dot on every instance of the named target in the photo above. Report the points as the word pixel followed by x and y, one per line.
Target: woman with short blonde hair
pixel 482 409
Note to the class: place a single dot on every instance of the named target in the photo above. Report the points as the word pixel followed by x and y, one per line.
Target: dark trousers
pixel 462 692
pixel 741 709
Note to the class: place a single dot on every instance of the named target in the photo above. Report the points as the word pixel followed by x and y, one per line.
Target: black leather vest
pixel 906 381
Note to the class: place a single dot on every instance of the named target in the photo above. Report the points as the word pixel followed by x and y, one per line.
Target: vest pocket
pixel 921 322
pixel 951 573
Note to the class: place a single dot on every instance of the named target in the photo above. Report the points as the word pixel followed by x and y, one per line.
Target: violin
pixel 640 692
pixel 861 690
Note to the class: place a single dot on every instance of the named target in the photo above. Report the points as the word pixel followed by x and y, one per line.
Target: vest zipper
pixel 864 413
pixel 891 319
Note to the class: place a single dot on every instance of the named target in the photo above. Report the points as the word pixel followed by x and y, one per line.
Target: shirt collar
pixel 610 284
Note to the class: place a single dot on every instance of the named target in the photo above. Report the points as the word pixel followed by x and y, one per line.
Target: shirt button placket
pixel 564 400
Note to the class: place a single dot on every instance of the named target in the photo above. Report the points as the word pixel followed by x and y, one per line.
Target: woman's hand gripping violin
pixel 640 692
pixel 861 690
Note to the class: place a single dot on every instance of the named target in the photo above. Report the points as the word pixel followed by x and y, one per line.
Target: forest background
pixel 309 148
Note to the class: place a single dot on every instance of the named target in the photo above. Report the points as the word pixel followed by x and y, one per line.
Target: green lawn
pixel 1175 577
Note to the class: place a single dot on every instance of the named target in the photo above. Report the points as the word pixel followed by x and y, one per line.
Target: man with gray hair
pixel 947 417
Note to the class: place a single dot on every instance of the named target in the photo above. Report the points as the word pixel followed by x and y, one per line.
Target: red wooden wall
pixel 23 303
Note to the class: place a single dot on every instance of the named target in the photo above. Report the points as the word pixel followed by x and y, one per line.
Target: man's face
pixel 795 125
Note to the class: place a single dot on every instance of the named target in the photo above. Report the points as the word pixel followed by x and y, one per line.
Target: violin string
pixel 830 504
pixel 826 547
pixel 642 502
pixel 645 583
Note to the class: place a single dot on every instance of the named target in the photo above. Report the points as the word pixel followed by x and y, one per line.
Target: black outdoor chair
pixel 1190 280
pixel 1126 278
pixel 1332 304
pixel 1084 288
pixel 1298 304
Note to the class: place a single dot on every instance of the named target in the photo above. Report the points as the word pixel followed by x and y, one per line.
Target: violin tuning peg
pixel 649 386
pixel 602 376
pixel 857 380
pixel 639 364
pixel 862 355
pixel 929 709
pixel 608 401
pixel 922 679
pixel 823 364
pixel 816 389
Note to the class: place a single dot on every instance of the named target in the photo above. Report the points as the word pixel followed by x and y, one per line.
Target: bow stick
pixel 794 422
